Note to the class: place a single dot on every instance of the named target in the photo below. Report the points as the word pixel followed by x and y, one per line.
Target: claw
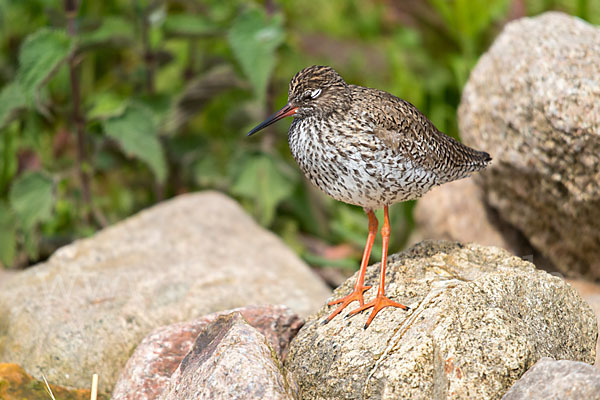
pixel 356 295
pixel 379 303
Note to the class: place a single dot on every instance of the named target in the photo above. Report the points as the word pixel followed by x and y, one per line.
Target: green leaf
pixel 40 56
pixel 9 163
pixel 31 197
pixel 136 132
pixel 189 25
pixel 106 104
pixel 11 100
pixel 265 182
pixel 254 39
pixel 158 104
pixel 114 30
pixel 8 237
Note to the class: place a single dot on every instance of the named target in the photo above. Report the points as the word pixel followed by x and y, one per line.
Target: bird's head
pixel 314 91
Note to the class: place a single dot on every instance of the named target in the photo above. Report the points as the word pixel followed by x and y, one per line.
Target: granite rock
pixel 590 292
pixel 458 211
pixel 86 309
pixel 560 380
pixel 479 319
pixel 533 103
pixel 230 360
pixel 148 371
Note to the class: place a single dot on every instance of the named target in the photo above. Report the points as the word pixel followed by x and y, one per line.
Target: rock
pixel 16 384
pixel 533 103
pixel 479 319
pixel 230 360
pixel 591 294
pixel 564 380
pixel 458 212
pixel 86 309
pixel 5 273
pixel 149 370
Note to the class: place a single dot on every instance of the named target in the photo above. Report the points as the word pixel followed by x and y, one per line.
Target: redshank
pixel 369 148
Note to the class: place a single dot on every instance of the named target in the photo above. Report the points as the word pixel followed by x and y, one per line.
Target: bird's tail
pixel 467 158
pixel 479 160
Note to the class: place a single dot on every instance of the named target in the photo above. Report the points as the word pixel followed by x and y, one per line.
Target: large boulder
pixel 533 103
pixel 563 379
pixel 458 211
pixel 85 310
pixel 479 319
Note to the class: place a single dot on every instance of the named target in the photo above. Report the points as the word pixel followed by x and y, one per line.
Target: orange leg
pixel 359 287
pixel 380 301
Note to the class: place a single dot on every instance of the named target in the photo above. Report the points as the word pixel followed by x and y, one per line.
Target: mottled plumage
pixel 369 148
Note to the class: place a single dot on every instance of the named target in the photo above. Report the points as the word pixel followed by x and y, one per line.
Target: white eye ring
pixel 315 93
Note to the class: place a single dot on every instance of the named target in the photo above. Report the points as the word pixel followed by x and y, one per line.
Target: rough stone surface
pixel 149 370
pixel 88 307
pixel 479 319
pixel 16 384
pixel 533 103
pixel 230 360
pixel 560 380
pixel 457 211
pixel 591 294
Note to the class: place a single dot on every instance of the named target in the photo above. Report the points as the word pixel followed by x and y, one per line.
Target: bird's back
pixel 411 135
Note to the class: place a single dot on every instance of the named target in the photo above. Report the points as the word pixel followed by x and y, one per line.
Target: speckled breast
pixel 352 165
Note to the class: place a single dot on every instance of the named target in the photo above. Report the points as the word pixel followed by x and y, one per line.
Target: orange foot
pixel 378 303
pixel 356 295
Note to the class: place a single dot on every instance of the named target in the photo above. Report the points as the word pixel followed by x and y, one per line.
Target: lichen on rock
pixel 479 319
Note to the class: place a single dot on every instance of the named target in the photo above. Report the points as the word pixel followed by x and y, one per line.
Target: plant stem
pixel 150 61
pixel 147 50
pixel 71 9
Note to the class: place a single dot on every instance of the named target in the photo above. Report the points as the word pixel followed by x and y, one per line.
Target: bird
pixel 369 148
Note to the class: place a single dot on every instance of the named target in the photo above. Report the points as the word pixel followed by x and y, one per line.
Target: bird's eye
pixel 311 94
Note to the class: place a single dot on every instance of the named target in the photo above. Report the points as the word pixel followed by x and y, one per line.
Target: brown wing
pixel 402 127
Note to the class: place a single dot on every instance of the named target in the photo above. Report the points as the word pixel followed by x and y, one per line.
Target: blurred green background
pixel 107 107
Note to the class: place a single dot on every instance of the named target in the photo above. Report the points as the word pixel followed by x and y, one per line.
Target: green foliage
pixel 8 235
pixel 11 100
pixel 31 198
pixel 135 130
pixel 114 30
pixel 166 90
pixel 40 55
pixel 189 25
pixel 265 183
pixel 106 105
pixel 254 39
pixel 30 201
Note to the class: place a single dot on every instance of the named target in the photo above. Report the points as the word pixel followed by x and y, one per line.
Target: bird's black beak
pixel 284 112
